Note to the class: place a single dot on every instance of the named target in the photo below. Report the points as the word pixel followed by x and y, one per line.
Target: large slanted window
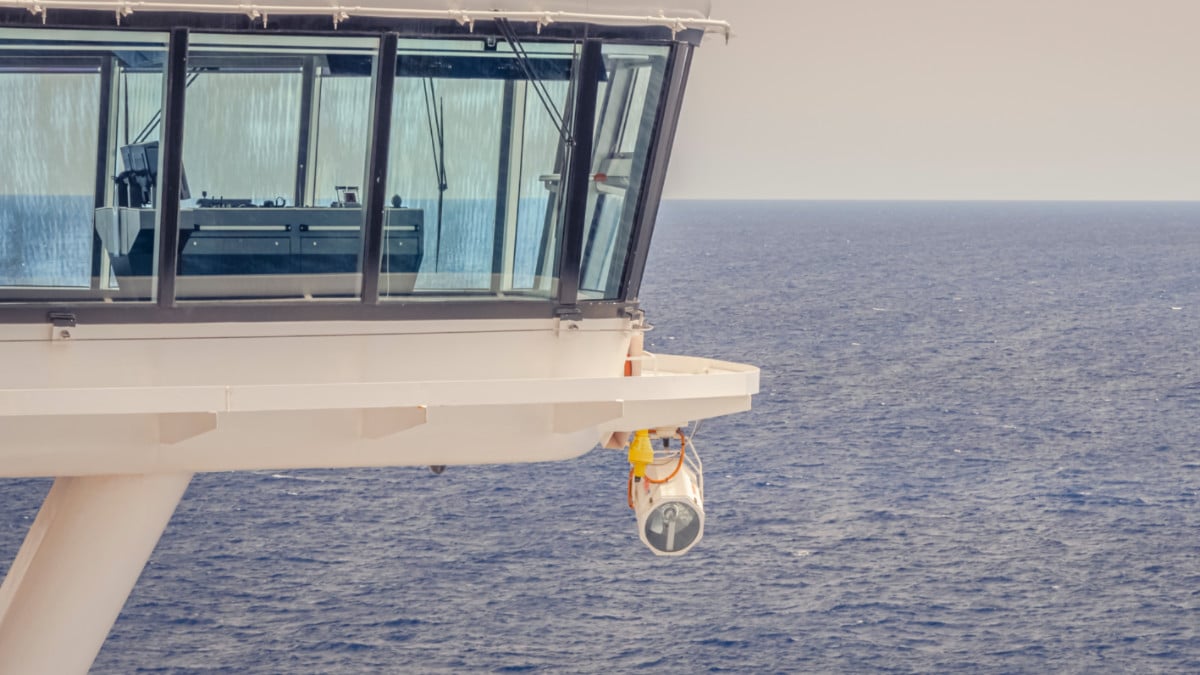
pixel 288 190
pixel 274 156
pixel 478 146
pixel 627 109
pixel 79 108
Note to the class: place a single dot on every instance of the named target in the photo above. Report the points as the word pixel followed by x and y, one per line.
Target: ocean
pixel 975 450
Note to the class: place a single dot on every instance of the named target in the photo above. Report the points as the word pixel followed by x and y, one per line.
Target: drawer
pixel 402 246
pixel 222 245
pixel 330 246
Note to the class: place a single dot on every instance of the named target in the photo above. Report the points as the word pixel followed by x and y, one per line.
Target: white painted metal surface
pixel 202 397
pixel 79 562
pixel 124 414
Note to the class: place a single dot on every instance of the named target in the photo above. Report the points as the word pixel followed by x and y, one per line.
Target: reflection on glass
pixel 67 229
pixel 543 157
pixel 627 107
pixel 46 205
pixel 445 147
pixel 275 147
pixel 274 156
pixel 343 130
pixel 241 128
pixel 475 147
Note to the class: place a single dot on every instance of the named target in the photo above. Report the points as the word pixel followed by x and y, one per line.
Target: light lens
pixel 672 526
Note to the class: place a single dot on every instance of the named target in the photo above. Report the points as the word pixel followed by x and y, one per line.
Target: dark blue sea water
pixel 976 450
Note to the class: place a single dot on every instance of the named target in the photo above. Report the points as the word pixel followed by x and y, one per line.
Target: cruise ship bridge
pixel 238 236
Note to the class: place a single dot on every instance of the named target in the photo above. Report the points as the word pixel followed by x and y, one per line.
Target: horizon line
pixel 1066 200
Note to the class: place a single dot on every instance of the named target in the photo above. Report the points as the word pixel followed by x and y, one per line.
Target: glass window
pixel 543 158
pixel 79 164
pixel 627 107
pixel 275 158
pixel 473 175
pixel 276 131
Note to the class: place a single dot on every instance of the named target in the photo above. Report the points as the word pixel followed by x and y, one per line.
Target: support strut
pixel 80 559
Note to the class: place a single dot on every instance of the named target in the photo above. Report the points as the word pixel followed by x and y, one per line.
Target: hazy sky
pixel 945 99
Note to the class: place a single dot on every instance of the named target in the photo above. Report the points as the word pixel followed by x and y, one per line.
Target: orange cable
pixel 682 450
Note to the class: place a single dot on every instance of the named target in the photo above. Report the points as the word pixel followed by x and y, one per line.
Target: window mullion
pixel 582 132
pixel 170 186
pixel 377 159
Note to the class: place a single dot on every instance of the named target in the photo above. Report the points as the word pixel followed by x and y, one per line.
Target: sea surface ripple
pixel 975 450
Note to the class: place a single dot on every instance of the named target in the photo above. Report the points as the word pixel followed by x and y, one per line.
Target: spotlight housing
pixel 669 503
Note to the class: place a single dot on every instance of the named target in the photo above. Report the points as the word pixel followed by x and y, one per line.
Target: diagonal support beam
pixel 176 427
pixel 80 559
pixel 381 422
pixel 572 417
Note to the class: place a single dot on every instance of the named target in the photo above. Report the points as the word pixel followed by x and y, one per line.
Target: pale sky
pixel 944 99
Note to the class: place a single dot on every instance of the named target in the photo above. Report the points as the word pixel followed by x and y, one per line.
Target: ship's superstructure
pixel 253 236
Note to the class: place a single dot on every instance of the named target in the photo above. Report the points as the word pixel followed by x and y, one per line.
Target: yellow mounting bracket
pixel 641 452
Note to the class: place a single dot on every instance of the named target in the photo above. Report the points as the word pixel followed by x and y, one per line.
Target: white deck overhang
pixel 539 395
pixel 667 378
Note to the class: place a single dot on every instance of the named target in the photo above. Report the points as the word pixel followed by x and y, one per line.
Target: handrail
pixel 341 12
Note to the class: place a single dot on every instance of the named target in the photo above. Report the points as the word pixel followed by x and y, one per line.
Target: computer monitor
pixel 140 177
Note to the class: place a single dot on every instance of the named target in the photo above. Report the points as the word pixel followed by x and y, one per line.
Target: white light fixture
pixel 669 503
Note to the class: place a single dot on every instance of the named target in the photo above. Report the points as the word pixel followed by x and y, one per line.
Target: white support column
pixel 80 559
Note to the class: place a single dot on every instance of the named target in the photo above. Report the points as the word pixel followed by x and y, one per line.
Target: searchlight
pixel 666 492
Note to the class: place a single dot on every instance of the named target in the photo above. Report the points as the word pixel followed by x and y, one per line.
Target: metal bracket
pixel 572 417
pixel 378 423
pixel 567 317
pixel 178 427
pixel 569 312
pixel 62 319
pixel 637 318
pixel 61 327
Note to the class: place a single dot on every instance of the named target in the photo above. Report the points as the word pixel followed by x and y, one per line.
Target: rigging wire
pixel 154 120
pixel 436 119
pixel 539 87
